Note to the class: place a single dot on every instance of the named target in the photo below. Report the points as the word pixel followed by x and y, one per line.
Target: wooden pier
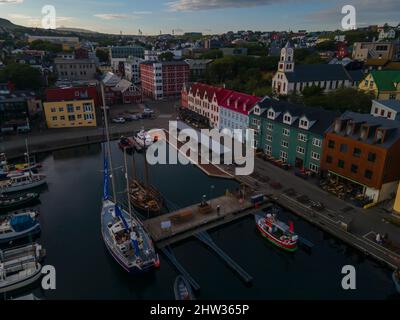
pixel 184 223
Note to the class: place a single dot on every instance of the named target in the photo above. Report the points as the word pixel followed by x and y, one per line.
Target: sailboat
pixel 123 233
pixel 143 196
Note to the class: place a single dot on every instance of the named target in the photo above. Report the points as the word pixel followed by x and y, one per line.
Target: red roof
pixel 240 102
pixel 201 88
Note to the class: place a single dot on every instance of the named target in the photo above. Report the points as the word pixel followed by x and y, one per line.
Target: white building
pixel 132 69
pixel 291 78
pixel 389 109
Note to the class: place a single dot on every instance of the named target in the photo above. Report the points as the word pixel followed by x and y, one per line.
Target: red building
pixel 81 53
pixel 164 79
pixel 73 93
pixel 341 50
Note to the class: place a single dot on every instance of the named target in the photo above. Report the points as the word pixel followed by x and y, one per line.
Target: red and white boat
pixel 277 232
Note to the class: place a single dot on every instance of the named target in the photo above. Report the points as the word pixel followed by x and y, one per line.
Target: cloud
pixel 194 5
pixel 139 13
pixel 111 16
pixel 11 1
pixel 35 21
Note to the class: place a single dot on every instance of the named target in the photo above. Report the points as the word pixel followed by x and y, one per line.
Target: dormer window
pixel 287 118
pixel 271 114
pixel 257 111
pixel 304 123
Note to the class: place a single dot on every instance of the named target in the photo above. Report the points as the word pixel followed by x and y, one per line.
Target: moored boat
pixel 277 232
pixel 182 289
pixel 24 181
pixel 13 202
pixel 18 225
pixel 20 267
pixel 143 139
pixel 396 279
pixel 145 199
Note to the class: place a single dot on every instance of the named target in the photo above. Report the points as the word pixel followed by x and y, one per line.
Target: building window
pixel 314 168
pixel 271 115
pixel 87 107
pixel 354 168
pixel 270 126
pixel 315 156
pixel 300 150
pixel 287 119
pixel 341 164
pixel 329 159
pixel 317 142
pixel 357 152
pixel 269 138
pixel 70 108
pixel 368 174
pixel 302 137
pixel 54 118
pixel 62 118
pixel 61 109
pixel 53 109
pixel 304 124
pixel 71 117
pixel 343 148
pixel 285 144
pixel 268 150
pixel 331 144
pixel 286 132
pixel 284 156
pixel 371 157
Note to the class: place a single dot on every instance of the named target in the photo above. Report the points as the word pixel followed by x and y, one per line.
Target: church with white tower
pixel 294 78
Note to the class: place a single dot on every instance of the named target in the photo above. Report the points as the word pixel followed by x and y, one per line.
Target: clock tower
pixel 286 63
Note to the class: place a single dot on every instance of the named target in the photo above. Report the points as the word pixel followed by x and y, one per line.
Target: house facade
pixel 294 79
pixel 132 69
pixel 362 51
pixel 389 109
pixel 291 133
pixel 75 69
pixel 70 114
pixel 361 149
pixel 384 85
pixel 163 79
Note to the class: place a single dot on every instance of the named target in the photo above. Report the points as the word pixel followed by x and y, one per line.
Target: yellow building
pixel 70 114
pixel 384 85
pixel 397 201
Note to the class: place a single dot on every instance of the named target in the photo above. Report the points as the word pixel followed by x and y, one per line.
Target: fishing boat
pixel 13 202
pixel 21 182
pixel 123 233
pixel 277 232
pixel 182 289
pixel 396 279
pixel 143 139
pixel 18 225
pixel 126 143
pixel 20 267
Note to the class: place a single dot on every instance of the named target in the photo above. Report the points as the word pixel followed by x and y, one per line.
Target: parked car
pixel 148 111
pixel 118 120
pixel 131 117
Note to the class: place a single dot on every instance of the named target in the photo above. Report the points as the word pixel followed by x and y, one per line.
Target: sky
pixel 206 16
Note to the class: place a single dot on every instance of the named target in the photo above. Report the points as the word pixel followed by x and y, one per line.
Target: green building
pixel 291 133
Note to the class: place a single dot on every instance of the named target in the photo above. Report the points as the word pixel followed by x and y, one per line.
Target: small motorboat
pixel 182 289
pixel 21 182
pixel 396 279
pixel 13 202
pixel 20 267
pixel 126 143
pixel 19 225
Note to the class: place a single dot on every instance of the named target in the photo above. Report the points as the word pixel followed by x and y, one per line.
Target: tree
pixel 166 56
pixel 102 55
pixel 212 54
pixel 22 75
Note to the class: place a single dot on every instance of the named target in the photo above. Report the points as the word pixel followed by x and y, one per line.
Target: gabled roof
pixel 202 89
pixel 240 102
pixel 386 79
pixel 122 86
pixel 322 119
pixel 317 72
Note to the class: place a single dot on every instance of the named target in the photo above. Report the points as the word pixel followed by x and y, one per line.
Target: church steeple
pixel 286 63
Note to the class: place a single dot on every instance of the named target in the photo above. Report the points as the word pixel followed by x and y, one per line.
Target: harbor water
pixel 70 220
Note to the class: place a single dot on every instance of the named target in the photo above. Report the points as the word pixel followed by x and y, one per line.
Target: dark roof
pixel 317 72
pixel 356 75
pixel 166 63
pixel 322 119
pixel 393 127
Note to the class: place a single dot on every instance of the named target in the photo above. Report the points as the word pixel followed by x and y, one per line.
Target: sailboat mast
pixel 133 166
pixel 27 152
pixel 114 196
pixel 146 174
pixel 128 188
